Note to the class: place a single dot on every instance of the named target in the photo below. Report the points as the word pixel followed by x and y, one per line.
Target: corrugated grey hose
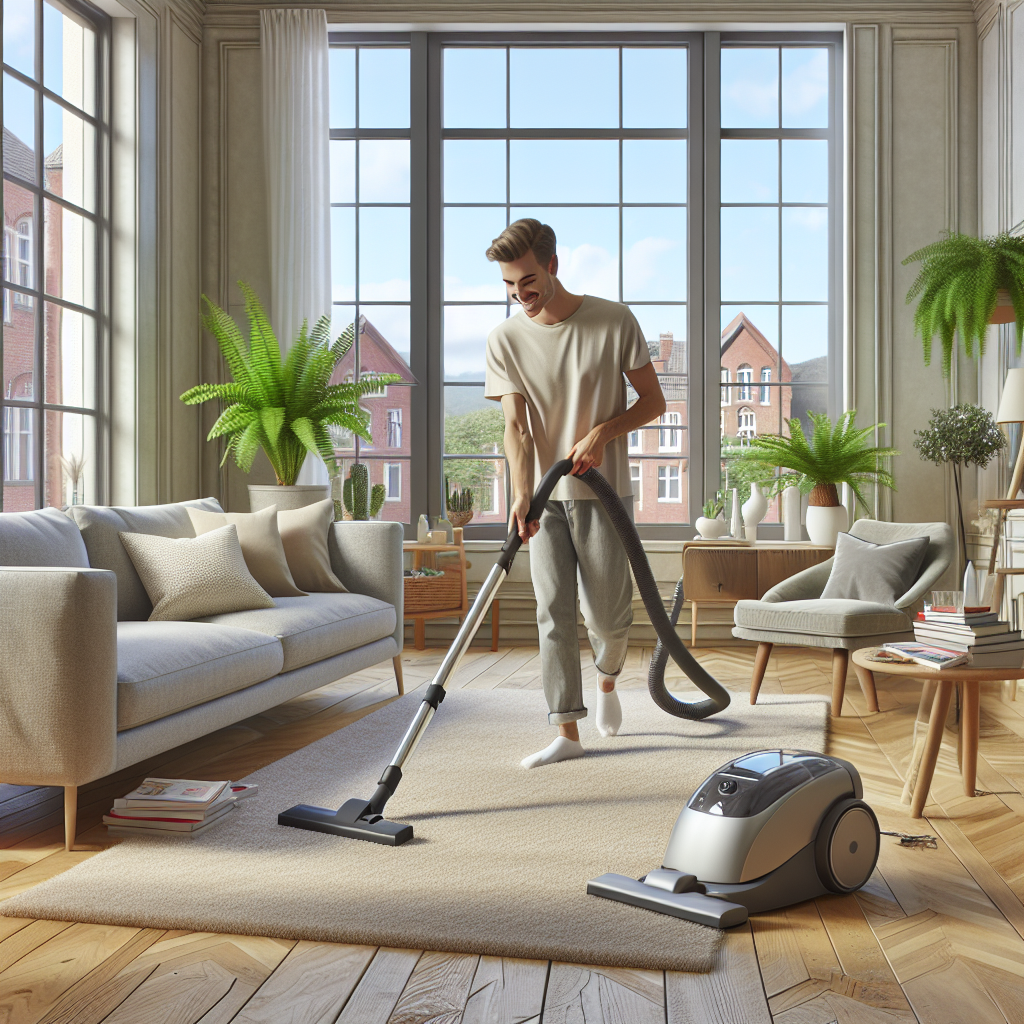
pixel 664 625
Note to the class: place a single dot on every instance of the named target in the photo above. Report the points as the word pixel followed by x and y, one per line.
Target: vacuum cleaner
pixel 364 819
pixel 767 829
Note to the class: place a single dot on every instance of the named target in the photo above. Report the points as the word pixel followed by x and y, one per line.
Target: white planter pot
pixel 711 529
pixel 791 514
pixel 826 522
pixel 296 496
pixel 754 509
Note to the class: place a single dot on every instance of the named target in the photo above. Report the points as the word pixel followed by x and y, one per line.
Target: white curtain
pixel 296 132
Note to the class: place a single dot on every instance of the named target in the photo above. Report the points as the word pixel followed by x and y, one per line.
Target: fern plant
pixel 958 285
pixel 832 455
pixel 283 406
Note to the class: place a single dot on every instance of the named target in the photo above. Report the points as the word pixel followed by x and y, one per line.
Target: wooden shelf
pixel 1005 504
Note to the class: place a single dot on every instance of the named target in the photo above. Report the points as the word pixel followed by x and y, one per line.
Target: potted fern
pixel 832 455
pixel 282 404
pixel 964 285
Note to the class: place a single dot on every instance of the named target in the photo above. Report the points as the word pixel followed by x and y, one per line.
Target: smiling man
pixel 560 372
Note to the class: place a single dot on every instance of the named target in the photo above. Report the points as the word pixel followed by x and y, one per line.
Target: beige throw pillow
pixel 304 535
pixel 261 546
pixel 187 577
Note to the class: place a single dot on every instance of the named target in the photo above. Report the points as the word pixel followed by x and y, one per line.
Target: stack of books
pixel 174 807
pixel 978 633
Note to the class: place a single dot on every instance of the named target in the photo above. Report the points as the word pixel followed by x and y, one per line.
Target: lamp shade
pixel 1011 405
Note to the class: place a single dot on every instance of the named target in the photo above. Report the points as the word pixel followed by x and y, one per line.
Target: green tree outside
pixel 481 432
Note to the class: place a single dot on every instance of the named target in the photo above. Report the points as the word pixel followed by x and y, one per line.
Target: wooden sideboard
pixel 722 573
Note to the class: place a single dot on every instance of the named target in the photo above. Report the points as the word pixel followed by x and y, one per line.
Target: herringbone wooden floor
pixel 937 935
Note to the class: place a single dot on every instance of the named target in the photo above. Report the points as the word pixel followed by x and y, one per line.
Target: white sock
pixel 609 710
pixel 561 750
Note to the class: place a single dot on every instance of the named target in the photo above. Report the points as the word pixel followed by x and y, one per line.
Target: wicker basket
pixel 460 518
pixel 434 593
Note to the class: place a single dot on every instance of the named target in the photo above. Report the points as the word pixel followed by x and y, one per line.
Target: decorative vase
pixel 711 529
pixel 735 520
pixel 754 509
pixel 460 518
pixel 285 497
pixel 825 523
pixel 422 529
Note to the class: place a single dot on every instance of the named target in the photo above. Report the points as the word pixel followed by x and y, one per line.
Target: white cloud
pixel 455 290
pixel 654 268
pixel 589 268
pixel 806 85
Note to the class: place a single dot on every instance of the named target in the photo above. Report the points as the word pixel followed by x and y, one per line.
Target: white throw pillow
pixel 304 535
pixel 187 577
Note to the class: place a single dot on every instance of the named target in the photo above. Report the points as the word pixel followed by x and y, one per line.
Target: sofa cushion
pixel 881 573
pixel 44 537
pixel 317 626
pixel 100 527
pixel 304 536
pixel 166 667
pixel 822 617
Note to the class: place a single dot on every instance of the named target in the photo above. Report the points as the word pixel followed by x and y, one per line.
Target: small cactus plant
pixel 354 493
pixel 459 503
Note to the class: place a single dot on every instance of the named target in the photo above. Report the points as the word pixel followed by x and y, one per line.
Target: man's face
pixel 528 283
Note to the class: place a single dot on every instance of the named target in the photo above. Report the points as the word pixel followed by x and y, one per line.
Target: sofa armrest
pixel 367 557
pixel 804 586
pixel 58 675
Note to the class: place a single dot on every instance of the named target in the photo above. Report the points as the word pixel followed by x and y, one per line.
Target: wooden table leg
pixel 866 679
pixel 924 708
pixel 420 633
pixel 970 715
pixel 936 724
pixel 495 624
pixel 693 624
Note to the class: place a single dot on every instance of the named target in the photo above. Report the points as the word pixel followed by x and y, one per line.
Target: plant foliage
pixel 360 501
pixel 457 499
pixel 958 283
pixel 283 406
pixel 832 455
pixel 715 506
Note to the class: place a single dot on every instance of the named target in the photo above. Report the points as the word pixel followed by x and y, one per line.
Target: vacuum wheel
pixel 847 844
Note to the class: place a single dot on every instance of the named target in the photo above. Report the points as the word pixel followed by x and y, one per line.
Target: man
pixel 558 372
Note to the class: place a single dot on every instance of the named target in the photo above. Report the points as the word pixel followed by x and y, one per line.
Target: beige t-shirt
pixel 571 375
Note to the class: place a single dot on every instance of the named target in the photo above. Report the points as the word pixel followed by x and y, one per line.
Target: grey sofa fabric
pixel 883 573
pixel 166 667
pixel 822 617
pixel 44 537
pixel 100 527
pixel 316 626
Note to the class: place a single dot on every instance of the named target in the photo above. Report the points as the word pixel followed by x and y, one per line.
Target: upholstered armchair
pixel 794 613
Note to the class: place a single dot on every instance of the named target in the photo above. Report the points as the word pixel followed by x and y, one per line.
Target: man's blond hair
pixel 521 237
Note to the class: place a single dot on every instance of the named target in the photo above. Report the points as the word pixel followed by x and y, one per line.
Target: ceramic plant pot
pixel 754 509
pixel 711 529
pixel 295 496
pixel 825 523
pixel 791 514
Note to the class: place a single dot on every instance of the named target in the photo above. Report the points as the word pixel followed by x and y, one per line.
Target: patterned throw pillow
pixel 187 577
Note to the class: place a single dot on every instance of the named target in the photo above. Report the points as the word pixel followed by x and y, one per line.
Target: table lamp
pixel 1011 410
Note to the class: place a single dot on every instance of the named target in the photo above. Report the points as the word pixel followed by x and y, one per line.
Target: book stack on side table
pixel 989 642
pixel 174 807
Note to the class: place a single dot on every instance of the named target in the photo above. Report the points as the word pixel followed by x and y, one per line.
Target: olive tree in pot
pixel 831 456
pixel 282 404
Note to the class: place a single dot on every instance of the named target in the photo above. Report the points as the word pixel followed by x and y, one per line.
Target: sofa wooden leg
pixel 70 816
pixel 867 684
pixel 397 662
pixel 840 661
pixel 760 667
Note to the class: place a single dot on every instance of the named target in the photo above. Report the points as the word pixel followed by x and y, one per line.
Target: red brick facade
pixel 749 359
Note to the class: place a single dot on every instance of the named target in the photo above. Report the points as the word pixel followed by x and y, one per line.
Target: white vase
pixel 825 523
pixel 791 514
pixel 285 497
pixel 711 529
pixel 736 521
pixel 754 509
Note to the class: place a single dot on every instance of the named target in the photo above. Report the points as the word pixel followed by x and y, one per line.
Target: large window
pixel 439 141
pixel 54 141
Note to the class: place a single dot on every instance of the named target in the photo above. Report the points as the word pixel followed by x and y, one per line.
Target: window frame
pixel 389 467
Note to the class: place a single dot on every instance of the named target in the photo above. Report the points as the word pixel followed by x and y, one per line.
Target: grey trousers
pixel 576 541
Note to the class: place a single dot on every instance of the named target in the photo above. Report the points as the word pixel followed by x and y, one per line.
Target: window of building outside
pixel 437 143
pixel 747 424
pixel 394 428
pixel 392 472
pixel 637 482
pixel 54 139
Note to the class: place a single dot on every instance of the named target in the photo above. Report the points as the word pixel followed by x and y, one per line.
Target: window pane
pixel 750 262
pixel 663 488
pixel 343 254
pixel 805 171
pixel 394 474
pixel 654 253
pixel 70 147
pixel 19 119
pixel 805 253
pixel 468 274
pixel 804 399
pixel 70 462
pixel 564 171
pixel 474 171
pixel 465 340
pixel 564 88
pixel 804 88
pixel 342 72
pixel 474 88
pixel 19 351
pixel 805 341
pixel 384 171
pixel 70 348
pixel 653 87
pixel 19 249
pixel 661 323
pixel 764 319
pixel 391 323
pixel 69 57
pixel 20 37
pixel 486 479
pixel 383 88
pixel 654 171
pixel 19 436
pixel 750 171
pixel 343 171
pixel 70 246
pixel 383 254
pixel 750 87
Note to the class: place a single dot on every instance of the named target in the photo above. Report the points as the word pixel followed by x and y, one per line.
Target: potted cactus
pixel 459 503
pixel 359 499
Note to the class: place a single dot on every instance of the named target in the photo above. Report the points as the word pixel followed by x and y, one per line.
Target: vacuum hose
pixel 664 624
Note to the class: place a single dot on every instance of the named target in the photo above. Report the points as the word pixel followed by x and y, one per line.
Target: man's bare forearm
pixel 519 452
pixel 642 411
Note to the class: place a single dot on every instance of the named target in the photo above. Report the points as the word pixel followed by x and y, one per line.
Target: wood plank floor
pixel 936 936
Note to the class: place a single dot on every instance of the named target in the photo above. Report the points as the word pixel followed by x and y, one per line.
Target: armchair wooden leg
pixel 397 662
pixel 760 667
pixel 840 661
pixel 867 685
pixel 70 816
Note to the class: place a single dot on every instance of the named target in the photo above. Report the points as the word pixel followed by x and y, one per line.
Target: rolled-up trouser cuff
pixel 565 717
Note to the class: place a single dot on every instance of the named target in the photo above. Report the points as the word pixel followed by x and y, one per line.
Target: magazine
pixel 933 657
pixel 179 794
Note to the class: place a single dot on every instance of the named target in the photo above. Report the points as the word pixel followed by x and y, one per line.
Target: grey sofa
pixel 88 686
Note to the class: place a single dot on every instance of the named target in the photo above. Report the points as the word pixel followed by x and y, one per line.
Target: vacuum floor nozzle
pixel 353 820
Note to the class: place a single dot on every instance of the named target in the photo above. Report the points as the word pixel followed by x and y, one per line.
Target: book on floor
pixel 170 822
pixel 179 794
pixel 131 829
pixel 933 657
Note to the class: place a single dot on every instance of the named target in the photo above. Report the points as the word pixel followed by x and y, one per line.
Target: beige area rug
pixel 501 857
